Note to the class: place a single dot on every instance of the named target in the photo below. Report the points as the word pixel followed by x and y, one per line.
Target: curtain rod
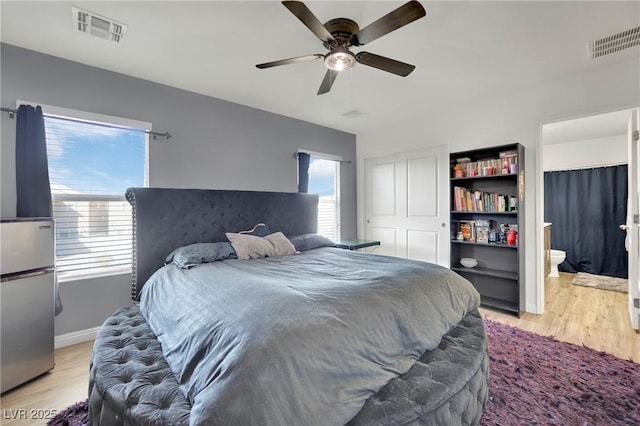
pixel 12 112
pixel 167 135
pixel 295 155
pixel 595 166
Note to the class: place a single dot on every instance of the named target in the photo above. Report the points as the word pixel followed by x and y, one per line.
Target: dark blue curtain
pixel 303 171
pixel 32 170
pixel 586 208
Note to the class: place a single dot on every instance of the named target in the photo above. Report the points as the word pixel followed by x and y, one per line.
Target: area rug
pixel 602 282
pixel 534 380
pixel 537 380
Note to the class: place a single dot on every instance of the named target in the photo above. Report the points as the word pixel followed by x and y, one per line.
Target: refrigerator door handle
pixel 26 274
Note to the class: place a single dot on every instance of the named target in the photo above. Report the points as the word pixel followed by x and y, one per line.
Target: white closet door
pixel 406 202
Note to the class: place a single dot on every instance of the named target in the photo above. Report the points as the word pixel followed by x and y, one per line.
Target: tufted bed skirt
pixel 130 382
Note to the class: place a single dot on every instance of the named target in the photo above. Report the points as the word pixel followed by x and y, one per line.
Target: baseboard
pixel 75 337
pixel 532 308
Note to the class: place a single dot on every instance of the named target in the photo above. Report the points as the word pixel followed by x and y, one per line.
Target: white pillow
pixel 252 247
pixel 281 244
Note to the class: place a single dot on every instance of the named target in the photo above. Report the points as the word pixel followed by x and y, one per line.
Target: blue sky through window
pixel 322 175
pixel 87 158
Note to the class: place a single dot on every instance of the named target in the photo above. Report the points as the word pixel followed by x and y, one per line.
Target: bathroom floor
pixel 598 319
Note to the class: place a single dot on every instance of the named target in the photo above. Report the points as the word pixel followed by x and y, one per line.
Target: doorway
pixel 596 319
pixel 577 156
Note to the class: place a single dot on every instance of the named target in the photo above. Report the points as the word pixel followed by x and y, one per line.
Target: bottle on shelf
pixel 505 166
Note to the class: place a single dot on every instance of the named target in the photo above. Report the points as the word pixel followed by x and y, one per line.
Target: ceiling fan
pixel 339 34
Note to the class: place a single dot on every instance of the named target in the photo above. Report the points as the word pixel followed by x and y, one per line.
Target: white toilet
pixel 557 257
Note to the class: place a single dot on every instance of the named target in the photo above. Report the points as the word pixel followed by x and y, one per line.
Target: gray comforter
pixel 298 340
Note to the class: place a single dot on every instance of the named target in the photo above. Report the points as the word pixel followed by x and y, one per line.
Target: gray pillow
pixel 260 230
pixel 196 254
pixel 306 242
pixel 253 247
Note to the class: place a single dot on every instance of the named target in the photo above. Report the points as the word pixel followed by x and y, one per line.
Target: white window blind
pixel 324 180
pixel 91 165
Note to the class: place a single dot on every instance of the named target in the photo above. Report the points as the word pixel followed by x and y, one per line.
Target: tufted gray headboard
pixel 165 219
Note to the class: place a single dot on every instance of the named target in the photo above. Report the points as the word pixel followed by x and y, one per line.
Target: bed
pixel 143 348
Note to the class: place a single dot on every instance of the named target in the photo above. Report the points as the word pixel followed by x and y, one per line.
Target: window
pixel 91 164
pixel 324 180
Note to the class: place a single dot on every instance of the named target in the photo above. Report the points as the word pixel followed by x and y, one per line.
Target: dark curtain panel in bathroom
pixel 303 171
pixel 586 208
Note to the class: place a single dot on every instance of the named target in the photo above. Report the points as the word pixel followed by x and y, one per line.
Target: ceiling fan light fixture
pixel 339 59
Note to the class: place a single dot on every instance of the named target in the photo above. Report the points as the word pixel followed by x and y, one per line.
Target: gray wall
pixel 215 144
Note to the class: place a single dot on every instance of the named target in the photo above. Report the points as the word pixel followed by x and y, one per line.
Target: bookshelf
pixel 487 222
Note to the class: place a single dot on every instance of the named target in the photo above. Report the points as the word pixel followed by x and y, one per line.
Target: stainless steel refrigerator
pixel 27 277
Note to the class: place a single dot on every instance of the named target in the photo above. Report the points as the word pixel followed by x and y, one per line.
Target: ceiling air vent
pixel 354 113
pixel 614 43
pixel 98 26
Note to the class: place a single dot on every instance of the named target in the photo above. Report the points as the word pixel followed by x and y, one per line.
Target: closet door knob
pixel 624 227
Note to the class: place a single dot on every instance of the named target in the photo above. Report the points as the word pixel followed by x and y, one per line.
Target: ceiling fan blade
pixel 307 17
pixel 327 82
pixel 385 64
pixel 290 61
pixel 400 17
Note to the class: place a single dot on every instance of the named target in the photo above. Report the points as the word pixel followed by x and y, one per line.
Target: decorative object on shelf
pixel 504 228
pixel 468 262
pixel 509 161
pixel 503 163
pixel 468 229
pixel 483 227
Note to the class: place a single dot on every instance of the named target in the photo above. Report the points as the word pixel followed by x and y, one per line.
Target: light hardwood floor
pixel 52 392
pixel 595 318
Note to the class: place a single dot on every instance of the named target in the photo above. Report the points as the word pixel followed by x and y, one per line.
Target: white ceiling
pixel 463 51
pixel 586 128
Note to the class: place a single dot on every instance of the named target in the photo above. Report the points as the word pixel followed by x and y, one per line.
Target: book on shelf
pixel 466 200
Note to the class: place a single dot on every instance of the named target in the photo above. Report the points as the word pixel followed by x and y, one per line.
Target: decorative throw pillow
pixel 196 254
pixel 252 247
pixel 281 244
pixel 260 230
pixel 306 242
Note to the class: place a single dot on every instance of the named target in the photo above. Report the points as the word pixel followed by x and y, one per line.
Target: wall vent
pixel 614 43
pixel 98 26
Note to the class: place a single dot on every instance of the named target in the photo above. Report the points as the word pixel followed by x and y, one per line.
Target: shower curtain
pixel 586 208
